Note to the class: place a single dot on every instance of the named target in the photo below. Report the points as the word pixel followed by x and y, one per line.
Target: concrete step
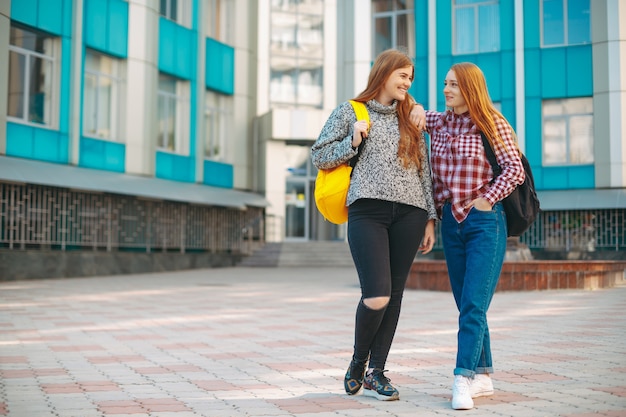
pixel 298 254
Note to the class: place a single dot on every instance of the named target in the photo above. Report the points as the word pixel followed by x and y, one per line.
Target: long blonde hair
pixel 473 87
pixel 409 150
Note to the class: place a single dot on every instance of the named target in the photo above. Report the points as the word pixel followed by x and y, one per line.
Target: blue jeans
pixel 474 251
pixel 384 238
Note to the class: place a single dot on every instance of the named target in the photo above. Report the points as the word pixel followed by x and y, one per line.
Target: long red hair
pixel 409 149
pixel 473 87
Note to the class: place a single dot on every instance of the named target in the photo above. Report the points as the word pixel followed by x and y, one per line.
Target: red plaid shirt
pixel 461 170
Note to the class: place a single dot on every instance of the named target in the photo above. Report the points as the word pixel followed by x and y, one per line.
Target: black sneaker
pixel 377 385
pixel 353 380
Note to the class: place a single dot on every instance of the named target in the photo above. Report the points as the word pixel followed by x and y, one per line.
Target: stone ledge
pixel 528 275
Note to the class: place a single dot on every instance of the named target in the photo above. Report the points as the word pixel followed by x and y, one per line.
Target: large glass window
pixel 217 119
pixel 173 112
pixel 220 20
pixel 33 84
pixel 297 53
pixel 476 26
pixel 178 11
pixel 394 25
pixel 102 101
pixel 568 131
pixel 565 22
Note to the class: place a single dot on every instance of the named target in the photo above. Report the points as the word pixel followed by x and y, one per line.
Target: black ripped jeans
pixel 384 238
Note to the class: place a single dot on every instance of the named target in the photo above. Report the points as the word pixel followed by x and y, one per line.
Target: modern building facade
pixel 206 110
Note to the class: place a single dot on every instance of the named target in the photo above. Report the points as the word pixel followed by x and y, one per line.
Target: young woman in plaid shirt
pixel 467 199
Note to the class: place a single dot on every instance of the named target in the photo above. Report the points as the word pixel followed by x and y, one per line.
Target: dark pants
pixel 384 238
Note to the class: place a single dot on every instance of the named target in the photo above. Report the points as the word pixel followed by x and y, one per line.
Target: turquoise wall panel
pixel 177 49
pixel 507 30
pixel 532 32
pixel 532 73
pixel 553 73
pixel 50 16
pixel 571 177
pixel 106 26
pixel 220 67
pixel 101 154
pixel 64 92
pixel 218 174
pixel 444 28
pixel 36 143
pixel 579 71
pixel 174 167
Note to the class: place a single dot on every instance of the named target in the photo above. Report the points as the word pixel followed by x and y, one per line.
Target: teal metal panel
pixel 422 78
pixel 532 34
pixel 174 167
pixel 218 174
pixel 532 72
pixel 553 75
pixel 507 26
pixel 96 24
pixel 19 140
pixel 220 67
pixel 509 76
pixel 25 11
pixel 568 177
pixel 64 92
pixel 444 28
pixel 177 49
pixel 579 71
pixel 490 64
pixel 36 143
pixel 106 26
pixel 118 28
pixel 51 15
pixel 50 145
pixel 101 154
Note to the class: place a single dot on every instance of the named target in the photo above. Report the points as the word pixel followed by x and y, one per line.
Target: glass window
pixel 32 76
pixel 296 53
pixel 394 26
pixel 102 100
pixel 565 22
pixel 220 21
pixel 476 26
pixel 173 112
pixel 217 119
pixel 568 131
pixel 178 11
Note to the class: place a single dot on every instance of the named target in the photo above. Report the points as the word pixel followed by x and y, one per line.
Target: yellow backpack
pixel 331 185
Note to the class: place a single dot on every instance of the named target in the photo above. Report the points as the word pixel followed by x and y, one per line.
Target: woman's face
pixel 396 86
pixel 452 93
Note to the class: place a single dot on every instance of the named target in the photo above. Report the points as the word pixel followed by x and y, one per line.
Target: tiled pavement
pixel 276 341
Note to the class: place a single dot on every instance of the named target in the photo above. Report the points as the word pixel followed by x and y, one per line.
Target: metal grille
pixel 567 230
pixel 34 216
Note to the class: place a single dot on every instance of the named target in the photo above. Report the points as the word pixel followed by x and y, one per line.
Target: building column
pixel 5 31
pixel 609 97
pixel 141 87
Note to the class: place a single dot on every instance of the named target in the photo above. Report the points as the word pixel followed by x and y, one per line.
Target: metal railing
pixel 33 216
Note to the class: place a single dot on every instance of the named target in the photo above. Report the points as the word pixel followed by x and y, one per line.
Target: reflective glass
pixel 553 22
pixel 579 25
pixel 17 69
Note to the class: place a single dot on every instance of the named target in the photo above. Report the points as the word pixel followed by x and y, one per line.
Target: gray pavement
pixel 241 342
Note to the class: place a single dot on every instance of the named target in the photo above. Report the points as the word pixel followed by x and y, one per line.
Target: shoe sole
pixel 374 394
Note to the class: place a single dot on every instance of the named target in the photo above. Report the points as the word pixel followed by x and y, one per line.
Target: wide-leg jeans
pixel 474 251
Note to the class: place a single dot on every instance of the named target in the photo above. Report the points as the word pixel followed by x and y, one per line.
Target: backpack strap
pixel 361 114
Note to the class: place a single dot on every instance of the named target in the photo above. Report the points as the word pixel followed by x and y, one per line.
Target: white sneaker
pixel 461 395
pixel 481 386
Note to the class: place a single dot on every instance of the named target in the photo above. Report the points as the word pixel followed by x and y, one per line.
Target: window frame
pixel 181 115
pixel 117 103
pixel 567 117
pixel 54 79
pixel 217 123
pixel 476 33
pixel 393 15
pixel 566 24
pixel 183 12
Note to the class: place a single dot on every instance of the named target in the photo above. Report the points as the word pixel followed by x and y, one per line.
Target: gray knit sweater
pixel 379 173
